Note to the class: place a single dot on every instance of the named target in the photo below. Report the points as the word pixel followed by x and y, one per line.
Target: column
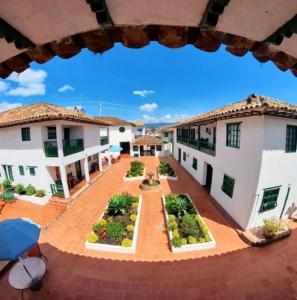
pixel 86 168
pixel 64 182
pixel 109 158
pixel 59 140
pixel 100 162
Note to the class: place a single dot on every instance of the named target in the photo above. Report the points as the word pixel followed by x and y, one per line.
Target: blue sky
pixel 152 84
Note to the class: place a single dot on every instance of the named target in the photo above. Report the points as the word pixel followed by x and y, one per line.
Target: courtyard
pixel 153 272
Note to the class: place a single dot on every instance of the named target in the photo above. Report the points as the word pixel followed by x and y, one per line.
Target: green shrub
pixel 176 205
pixel 116 205
pixel 201 240
pixel 175 233
pixel 189 225
pixel 184 241
pixel 92 237
pixel 130 228
pixel 126 243
pixel 176 242
pixel 40 193
pixel 172 225
pixel 272 226
pixel 192 240
pixel 134 204
pixel 136 169
pixel 30 190
pixel 171 218
pixel 165 169
pixel 19 188
pixel 6 184
pixel 133 217
pixel 115 229
pixel 102 222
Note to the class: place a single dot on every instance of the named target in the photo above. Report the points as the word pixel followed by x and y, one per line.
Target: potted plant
pixel 271 227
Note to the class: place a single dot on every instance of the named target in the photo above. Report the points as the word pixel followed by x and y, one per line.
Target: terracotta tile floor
pixel 230 271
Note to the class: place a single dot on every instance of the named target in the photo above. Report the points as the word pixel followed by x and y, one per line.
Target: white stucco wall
pixel 115 136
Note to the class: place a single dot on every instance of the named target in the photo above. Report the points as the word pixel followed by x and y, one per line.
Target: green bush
pixel 6 184
pixel 165 169
pixel 115 229
pixel 30 190
pixel 130 228
pixel 189 225
pixel 176 242
pixel 126 243
pixel 192 240
pixel 19 188
pixel 136 169
pixel 133 217
pixel 40 193
pixel 272 226
pixel 184 241
pixel 116 205
pixel 92 237
pixel 176 205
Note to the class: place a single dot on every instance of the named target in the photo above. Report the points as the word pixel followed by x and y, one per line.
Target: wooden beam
pixel 41 54
pixel 208 41
pixel 98 41
pixel 18 63
pixel 134 36
pixel 65 48
pixel 172 36
pixel 264 52
pixel 283 61
pixel 100 8
pixel 239 46
pixel 10 34
pixel 5 71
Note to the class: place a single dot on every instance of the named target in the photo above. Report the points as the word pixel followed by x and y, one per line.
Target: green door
pixel 8 172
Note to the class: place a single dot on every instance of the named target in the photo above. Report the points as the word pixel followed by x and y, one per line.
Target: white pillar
pixel 86 168
pixel 100 162
pixel 64 181
pixel 109 158
pixel 59 140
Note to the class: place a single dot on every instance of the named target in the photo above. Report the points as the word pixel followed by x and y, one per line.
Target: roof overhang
pixel 35 31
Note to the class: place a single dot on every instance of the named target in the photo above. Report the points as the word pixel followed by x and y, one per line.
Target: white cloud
pixel 65 88
pixel 148 107
pixel 3 86
pixel 143 93
pixel 30 83
pixel 166 118
pixel 7 105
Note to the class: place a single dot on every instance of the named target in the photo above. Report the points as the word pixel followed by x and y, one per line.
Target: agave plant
pixel 117 205
pixel 176 205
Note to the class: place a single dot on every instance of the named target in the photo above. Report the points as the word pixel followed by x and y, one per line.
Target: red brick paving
pixel 231 271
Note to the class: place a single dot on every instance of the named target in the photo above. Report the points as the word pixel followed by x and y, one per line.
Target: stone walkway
pixel 230 271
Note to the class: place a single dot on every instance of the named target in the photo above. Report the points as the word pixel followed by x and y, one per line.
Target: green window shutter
pixel 291 138
pixel 269 200
pixel 10 173
pixel 228 185
pixel 233 135
pixel 26 136
pixel 32 171
pixel 195 163
pixel 22 172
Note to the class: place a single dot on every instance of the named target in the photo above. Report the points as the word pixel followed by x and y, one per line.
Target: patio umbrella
pixel 115 148
pixel 16 237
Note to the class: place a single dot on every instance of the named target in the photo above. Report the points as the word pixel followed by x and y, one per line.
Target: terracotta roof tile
pixel 39 112
pixel 147 140
pixel 252 103
pixel 138 124
pixel 114 120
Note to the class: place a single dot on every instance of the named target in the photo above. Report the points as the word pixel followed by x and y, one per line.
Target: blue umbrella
pixel 16 237
pixel 116 148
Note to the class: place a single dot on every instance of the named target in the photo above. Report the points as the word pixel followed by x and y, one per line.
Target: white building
pixel 166 133
pixel 245 155
pixel 121 132
pixel 51 147
pixel 138 129
pixel 147 145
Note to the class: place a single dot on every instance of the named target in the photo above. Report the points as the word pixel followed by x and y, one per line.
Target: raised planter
pixel 134 178
pixel 188 247
pixel 165 165
pixel 167 177
pixel 118 248
pixel 33 199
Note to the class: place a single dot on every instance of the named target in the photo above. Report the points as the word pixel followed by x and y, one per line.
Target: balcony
pixel 203 146
pixel 73 146
pixel 104 140
pixel 51 149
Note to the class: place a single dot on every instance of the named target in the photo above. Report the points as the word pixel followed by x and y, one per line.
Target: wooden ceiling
pixel 35 30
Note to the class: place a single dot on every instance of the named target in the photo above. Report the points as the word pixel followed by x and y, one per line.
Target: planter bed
pixel 127 240
pixel 33 199
pixel 165 171
pixel 180 241
pixel 136 172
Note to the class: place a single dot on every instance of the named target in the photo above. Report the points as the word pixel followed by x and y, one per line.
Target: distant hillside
pixel 157 125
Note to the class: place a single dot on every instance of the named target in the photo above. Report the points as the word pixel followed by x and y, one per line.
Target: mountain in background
pixel 157 125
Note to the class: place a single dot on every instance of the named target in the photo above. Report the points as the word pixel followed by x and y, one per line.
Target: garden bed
pixel 117 228
pixel 186 229
pixel 34 199
pixel 136 172
pixel 165 171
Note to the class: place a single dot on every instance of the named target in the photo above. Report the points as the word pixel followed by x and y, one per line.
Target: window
pixel 184 156
pixel 26 134
pixel 122 129
pixel 291 139
pixel 269 200
pixel 22 172
pixel 233 135
pixel 51 133
pixel 195 163
pixel 192 134
pixel 166 134
pixel 159 147
pixel 32 171
pixel 228 185
pixel 135 148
